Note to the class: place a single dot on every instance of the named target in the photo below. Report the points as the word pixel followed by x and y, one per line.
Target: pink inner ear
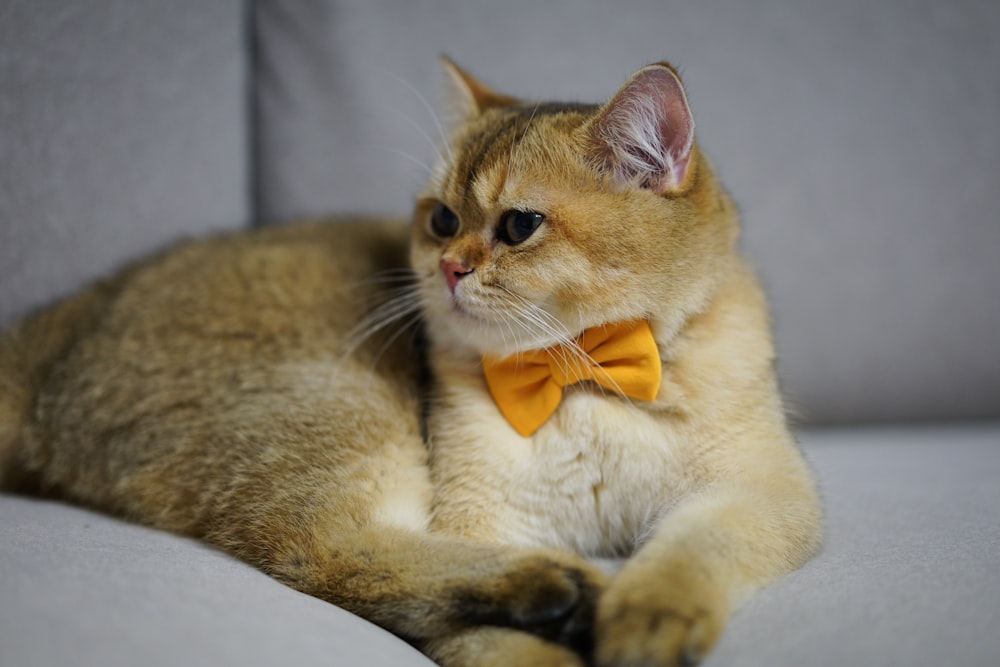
pixel 645 133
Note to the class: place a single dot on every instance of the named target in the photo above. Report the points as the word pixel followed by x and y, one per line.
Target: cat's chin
pixel 464 329
pixel 480 326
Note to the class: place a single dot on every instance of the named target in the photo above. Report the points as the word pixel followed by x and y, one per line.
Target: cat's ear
pixel 470 96
pixel 645 134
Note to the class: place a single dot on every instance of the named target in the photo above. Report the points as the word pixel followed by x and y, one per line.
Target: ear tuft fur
pixel 645 134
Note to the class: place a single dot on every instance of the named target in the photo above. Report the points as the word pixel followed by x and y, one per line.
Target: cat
pixel 558 226
pixel 434 425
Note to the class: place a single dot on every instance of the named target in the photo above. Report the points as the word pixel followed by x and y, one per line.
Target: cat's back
pixel 219 345
pixel 255 298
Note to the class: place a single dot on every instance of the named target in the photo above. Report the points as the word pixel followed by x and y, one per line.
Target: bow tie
pixel 528 387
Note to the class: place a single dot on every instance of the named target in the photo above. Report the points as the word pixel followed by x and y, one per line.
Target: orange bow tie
pixel 528 387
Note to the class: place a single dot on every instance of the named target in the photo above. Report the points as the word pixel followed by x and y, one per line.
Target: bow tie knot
pixel 570 369
pixel 528 387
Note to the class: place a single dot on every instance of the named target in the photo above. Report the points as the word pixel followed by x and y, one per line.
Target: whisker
pixel 510 155
pixel 430 110
pixel 387 277
pixel 403 302
pixel 410 325
pixel 404 154
pixel 416 126
pixel 547 323
pixel 569 349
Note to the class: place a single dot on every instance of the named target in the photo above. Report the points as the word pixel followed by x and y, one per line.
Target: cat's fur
pixel 226 391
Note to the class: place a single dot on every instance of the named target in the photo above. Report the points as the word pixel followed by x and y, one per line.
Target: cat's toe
pixel 577 629
pixel 658 635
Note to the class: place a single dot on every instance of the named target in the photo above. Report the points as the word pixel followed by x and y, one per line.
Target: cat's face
pixel 543 222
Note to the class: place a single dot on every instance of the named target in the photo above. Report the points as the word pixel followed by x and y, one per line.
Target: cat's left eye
pixel 517 226
pixel 444 222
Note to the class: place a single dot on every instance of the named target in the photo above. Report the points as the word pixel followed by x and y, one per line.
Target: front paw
pixel 648 627
pixel 550 594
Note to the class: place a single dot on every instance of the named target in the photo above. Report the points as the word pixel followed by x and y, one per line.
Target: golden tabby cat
pixel 592 374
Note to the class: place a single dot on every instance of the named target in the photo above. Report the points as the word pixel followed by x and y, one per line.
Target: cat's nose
pixel 453 272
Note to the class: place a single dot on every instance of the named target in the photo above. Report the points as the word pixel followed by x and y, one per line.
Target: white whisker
pixel 417 127
pixel 409 325
pixel 403 154
pixel 402 302
pixel 536 320
pixel 516 145
pixel 430 110
pixel 388 277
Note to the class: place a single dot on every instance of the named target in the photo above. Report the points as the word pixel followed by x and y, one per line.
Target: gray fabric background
pixel 123 126
pixel 83 590
pixel 860 138
pixel 909 571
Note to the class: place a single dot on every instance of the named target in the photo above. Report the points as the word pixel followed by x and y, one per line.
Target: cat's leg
pixel 354 534
pixel 425 588
pixel 671 601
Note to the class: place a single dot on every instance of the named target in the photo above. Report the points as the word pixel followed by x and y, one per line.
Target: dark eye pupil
pixel 517 226
pixel 444 222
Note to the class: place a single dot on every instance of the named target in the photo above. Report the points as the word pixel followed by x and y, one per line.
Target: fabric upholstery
pixel 123 126
pixel 908 576
pixel 860 140
pixel 83 590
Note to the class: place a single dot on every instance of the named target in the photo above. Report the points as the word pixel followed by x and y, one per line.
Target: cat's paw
pixel 641 628
pixel 551 595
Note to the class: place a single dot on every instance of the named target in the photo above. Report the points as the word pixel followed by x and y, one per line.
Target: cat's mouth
pixel 480 301
pixel 484 317
pixel 501 321
pixel 463 310
pixel 467 306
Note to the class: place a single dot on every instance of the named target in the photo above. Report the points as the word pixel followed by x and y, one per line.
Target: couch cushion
pixel 124 127
pixel 910 573
pixel 861 141
pixel 81 589
pixel 908 576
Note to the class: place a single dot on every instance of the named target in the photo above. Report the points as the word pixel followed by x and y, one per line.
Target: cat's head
pixel 546 219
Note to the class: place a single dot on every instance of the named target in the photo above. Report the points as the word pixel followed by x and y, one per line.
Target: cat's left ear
pixel 645 134
pixel 469 95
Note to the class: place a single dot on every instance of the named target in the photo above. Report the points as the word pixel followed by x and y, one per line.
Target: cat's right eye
pixel 444 222
pixel 517 226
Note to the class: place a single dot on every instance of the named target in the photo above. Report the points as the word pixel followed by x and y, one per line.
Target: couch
pixel 860 139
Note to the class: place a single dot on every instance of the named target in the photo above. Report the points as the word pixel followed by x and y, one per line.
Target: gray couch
pixel 861 139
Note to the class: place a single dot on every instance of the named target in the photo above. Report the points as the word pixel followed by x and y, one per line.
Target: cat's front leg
pixel 671 601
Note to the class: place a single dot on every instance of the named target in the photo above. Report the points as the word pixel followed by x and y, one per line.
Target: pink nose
pixel 453 272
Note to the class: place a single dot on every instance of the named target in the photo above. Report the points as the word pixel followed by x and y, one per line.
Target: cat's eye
pixel 444 222
pixel 517 226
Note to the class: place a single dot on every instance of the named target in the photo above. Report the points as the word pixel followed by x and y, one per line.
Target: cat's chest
pixel 601 472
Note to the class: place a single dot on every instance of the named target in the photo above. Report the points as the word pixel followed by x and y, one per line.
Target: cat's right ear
pixel 469 96
pixel 645 135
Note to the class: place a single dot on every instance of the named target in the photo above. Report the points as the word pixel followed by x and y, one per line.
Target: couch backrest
pixel 123 126
pixel 860 138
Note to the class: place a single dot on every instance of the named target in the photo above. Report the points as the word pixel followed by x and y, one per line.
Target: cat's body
pixel 220 392
pixel 233 390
